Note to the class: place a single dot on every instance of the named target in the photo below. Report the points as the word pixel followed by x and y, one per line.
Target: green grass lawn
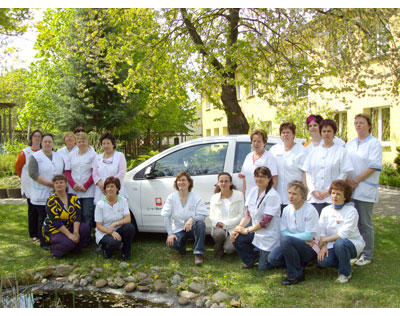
pixel 375 285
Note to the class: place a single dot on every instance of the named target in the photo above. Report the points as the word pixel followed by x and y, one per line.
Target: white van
pixel 148 185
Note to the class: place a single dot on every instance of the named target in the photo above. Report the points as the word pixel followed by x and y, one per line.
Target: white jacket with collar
pixel 235 214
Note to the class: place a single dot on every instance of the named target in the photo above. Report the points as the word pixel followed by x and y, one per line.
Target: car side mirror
pixel 148 174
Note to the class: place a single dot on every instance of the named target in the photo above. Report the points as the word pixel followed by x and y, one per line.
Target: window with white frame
pixel 380 120
pixel 238 92
pixel 341 121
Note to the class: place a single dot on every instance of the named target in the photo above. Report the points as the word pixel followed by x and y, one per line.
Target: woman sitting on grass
pixel 263 208
pixel 299 226
pixel 184 214
pixel 62 227
pixel 114 229
pixel 340 239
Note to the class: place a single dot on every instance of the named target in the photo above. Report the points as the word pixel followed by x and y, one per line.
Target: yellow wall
pixel 259 110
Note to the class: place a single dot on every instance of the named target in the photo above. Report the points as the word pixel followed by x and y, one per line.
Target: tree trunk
pixel 237 122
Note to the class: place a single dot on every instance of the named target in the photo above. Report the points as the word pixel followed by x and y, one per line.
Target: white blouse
pixel 367 154
pixel 179 214
pixel 81 170
pixel 305 219
pixel 343 222
pixel 107 214
pixel 324 165
pixel 289 167
pixel 249 165
pixel 230 215
pixel 265 238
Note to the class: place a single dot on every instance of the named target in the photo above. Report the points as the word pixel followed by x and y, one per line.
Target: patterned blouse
pixel 58 215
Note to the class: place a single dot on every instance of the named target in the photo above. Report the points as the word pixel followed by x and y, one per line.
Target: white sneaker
pixel 343 279
pixel 353 261
pixel 363 261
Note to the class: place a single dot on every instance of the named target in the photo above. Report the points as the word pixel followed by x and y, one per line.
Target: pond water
pixel 73 299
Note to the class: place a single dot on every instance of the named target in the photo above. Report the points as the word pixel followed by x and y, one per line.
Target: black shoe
pixel 125 258
pixel 106 255
pixel 246 267
pixel 288 281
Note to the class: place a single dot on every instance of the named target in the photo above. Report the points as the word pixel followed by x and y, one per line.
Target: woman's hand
pixel 309 242
pixel 233 236
pixel 74 237
pixel 324 194
pixel 322 242
pixel 100 185
pixel 240 230
pixel 352 182
pixel 188 225
pixel 171 239
pixel 116 236
pixel 220 225
pixel 323 252
pixel 317 195
pixel 241 176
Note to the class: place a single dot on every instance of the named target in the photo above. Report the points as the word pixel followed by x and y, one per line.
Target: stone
pixel 100 283
pixel 89 279
pixel 76 283
pixel 143 288
pixel 94 274
pixel 130 287
pixel 112 284
pixel 189 295
pixel 48 272
pixel 37 276
pixel 214 305
pixel 63 270
pixel 146 281
pixel 196 287
pixel 208 303
pixel 129 278
pixel 141 275
pixel 160 286
pixel 44 281
pixel 72 277
pixel 172 290
pixel 235 303
pixel 109 279
pixel 183 301
pixel 83 282
pixel 155 269
pixel 199 302
pixel 119 282
pixel 98 270
pixel 62 279
pixel 220 297
pixel 176 279
pixel 222 304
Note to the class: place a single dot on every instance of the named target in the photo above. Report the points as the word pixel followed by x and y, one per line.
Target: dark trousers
pixel 60 244
pixel 320 206
pixel 87 213
pixel 109 244
pixel 40 210
pixel 33 217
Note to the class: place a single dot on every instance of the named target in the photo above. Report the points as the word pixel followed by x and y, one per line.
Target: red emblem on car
pixel 158 201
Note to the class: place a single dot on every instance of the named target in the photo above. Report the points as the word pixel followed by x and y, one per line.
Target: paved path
pixel 387 205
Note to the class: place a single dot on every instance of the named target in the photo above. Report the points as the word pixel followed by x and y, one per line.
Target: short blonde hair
pixel 260 133
pixel 69 134
pixel 300 186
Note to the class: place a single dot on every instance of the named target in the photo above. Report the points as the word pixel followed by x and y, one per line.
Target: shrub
pixel 7 162
pixel 389 175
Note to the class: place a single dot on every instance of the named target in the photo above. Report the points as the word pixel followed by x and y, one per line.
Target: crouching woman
pixel 62 227
pixel 114 229
pixel 340 239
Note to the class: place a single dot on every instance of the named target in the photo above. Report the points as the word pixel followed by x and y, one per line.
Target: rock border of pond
pixel 174 291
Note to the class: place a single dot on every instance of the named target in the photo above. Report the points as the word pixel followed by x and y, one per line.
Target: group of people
pixel 298 204
pixel 73 191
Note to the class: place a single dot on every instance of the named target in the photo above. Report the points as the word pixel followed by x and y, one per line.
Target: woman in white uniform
pixel 289 157
pixel 21 168
pixel 263 208
pixel 184 214
pixel 78 169
pixel 325 164
pixel 340 239
pixel 299 229
pixel 42 167
pixel 110 163
pixel 366 153
pixel 226 211
pixel 257 158
pixel 316 140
